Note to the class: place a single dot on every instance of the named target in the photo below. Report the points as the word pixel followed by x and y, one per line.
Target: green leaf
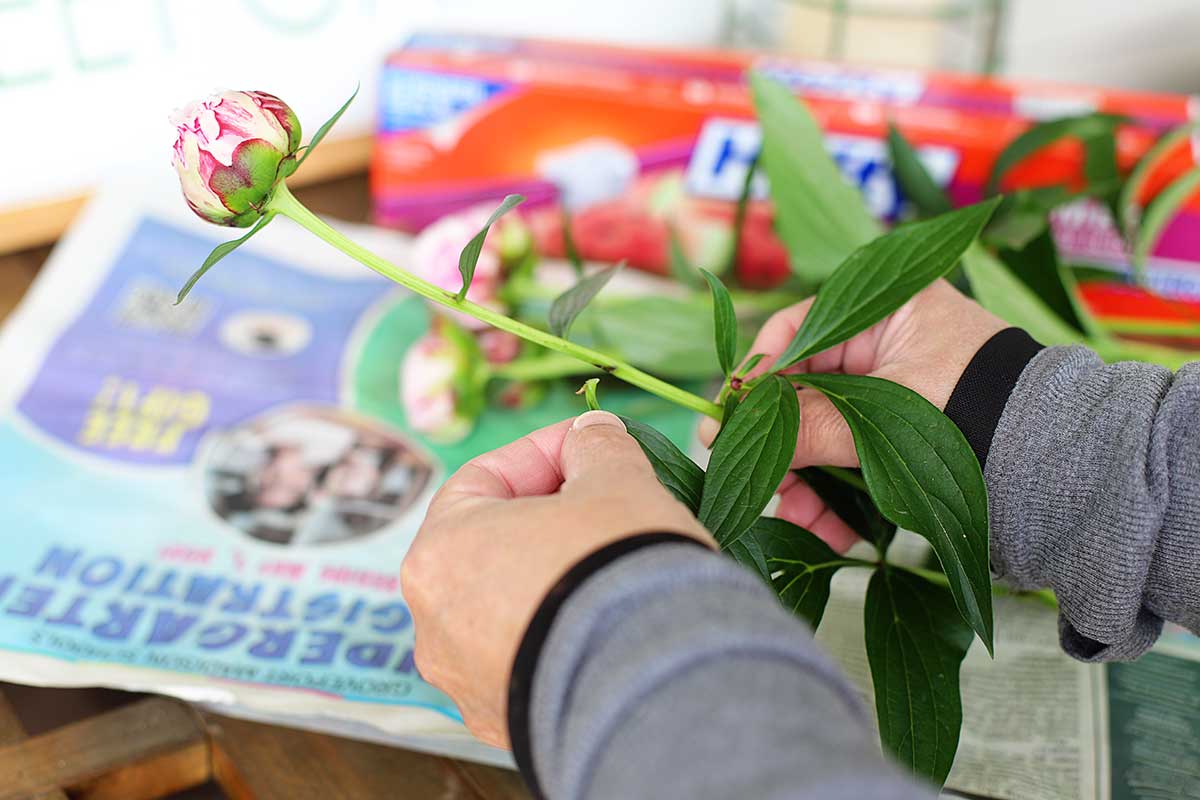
pixel 681 268
pixel 748 552
pixel 915 181
pixel 916 643
pixel 880 277
pixel 569 247
pixel 924 477
pixel 739 215
pixel 801 566
pixel 1159 212
pixel 820 216
pixel 324 129
pixel 724 323
pixel 1044 134
pixel 1038 267
pixel 219 252
pixel 682 477
pixel 1101 170
pixel 1128 202
pixel 852 505
pixel 749 459
pixel 1024 215
pixel 750 364
pixel 1001 292
pixel 566 306
pixel 732 400
pixel 470 254
pixel 670 337
pixel 588 390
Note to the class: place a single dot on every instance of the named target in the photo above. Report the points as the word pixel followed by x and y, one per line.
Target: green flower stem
pixel 541 369
pixel 285 203
pixel 845 476
pixel 1043 596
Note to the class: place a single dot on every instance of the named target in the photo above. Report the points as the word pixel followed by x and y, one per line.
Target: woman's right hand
pixel 925 345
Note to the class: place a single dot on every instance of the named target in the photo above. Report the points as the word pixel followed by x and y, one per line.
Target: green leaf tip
pixel 881 276
pixel 469 257
pixel 219 252
pixel 724 323
pixel 588 390
pixel 325 128
pixel 915 643
pixel 915 181
pixel 568 305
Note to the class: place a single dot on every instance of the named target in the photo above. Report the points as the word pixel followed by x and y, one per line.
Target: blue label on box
pixel 410 98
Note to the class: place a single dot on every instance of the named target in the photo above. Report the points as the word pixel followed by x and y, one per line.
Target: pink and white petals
pixel 435 255
pixel 231 149
pixel 499 347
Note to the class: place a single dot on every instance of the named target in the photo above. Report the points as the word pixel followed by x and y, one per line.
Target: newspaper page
pixel 1038 725
pixel 212 500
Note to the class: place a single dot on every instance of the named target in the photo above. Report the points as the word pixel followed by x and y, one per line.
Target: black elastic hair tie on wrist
pixel 520 686
pixel 983 390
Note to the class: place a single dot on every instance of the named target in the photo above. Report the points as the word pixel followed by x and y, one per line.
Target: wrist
pixel 983 389
pixel 525 664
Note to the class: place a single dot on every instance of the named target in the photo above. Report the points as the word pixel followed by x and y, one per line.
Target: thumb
pixel 600 449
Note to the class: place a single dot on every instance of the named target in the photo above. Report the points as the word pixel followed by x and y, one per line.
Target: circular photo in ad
pixel 265 334
pixel 305 476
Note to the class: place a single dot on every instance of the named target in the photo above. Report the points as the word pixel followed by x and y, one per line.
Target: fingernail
pixel 590 418
pixel 709 428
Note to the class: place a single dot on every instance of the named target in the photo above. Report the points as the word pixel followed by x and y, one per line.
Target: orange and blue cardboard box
pixel 640 146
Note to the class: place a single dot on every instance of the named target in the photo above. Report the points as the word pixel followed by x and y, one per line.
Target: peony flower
pixel 499 347
pixel 436 386
pixel 231 150
pixel 435 258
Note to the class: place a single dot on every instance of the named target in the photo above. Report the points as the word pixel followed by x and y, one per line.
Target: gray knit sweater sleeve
pixel 672 672
pixel 1094 482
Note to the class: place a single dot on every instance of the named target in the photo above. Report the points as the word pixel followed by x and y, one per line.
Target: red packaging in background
pixel 642 145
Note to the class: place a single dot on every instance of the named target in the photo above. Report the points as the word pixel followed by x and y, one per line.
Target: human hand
pixel 925 345
pixel 499 535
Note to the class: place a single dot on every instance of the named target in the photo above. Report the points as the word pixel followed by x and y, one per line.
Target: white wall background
pixel 86 85
pixel 1134 44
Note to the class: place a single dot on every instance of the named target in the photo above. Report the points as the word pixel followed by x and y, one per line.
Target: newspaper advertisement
pixel 212 501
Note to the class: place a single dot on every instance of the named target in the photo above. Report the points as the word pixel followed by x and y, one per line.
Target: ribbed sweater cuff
pixel 983 390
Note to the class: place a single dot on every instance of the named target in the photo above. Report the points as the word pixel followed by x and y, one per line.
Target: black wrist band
pixel 979 398
pixel 520 685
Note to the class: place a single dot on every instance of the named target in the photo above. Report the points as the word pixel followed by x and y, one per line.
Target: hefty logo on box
pixel 726 148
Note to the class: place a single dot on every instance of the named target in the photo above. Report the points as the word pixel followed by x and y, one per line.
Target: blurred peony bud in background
pixel 499 347
pixel 231 150
pixel 435 255
pixel 438 391
pixel 514 240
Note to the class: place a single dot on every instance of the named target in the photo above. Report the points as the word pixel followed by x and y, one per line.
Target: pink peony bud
pixel 231 150
pixel 435 258
pixel 499 347
pixel 435 384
